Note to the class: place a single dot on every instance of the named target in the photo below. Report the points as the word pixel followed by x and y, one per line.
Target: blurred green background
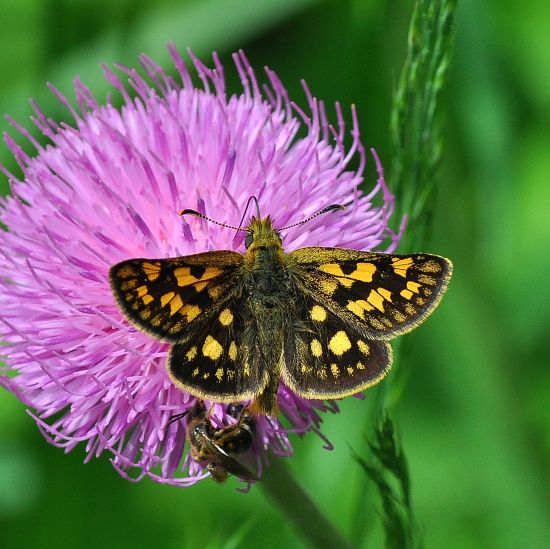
pixel 473 415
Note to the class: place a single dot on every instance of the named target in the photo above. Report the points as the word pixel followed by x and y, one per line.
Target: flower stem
pixel 292 501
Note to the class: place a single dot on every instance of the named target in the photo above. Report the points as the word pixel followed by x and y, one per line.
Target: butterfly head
pixel 261 235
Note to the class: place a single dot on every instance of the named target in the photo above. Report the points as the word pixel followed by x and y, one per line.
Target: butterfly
pixel 218 446
pixel 317 319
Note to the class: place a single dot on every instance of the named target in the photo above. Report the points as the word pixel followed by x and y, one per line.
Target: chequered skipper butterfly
pixel 319 319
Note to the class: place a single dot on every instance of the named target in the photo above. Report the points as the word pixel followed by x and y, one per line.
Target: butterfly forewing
pixel 325 357
pixel 383 295
pixel 216 364
pixel 171 298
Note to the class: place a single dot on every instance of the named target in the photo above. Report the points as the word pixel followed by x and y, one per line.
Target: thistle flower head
pixel 108 187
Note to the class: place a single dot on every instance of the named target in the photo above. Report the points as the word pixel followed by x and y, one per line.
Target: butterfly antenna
pixel 331 208
pixel 202 216
pixel 251 199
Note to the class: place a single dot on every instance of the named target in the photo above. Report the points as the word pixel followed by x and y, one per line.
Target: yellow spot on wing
pixel 141 291
pixel 152 270
pixel 200 286
pixel 365 304
pixel 149 268
pixel 376 300
pixel 164 299
pixel 363 347
pixel 430 266
pixel 318 313
pixel 339 343
pixel 233 351
pixel 147 299
pixel 331 268
pixel 185 278
pixel 214 292
pixel 413 286
pixel 176 327
pixel 364 272
pixel 191 354
pixel 128 284
pixel 429 280
pixel 226 317
pixel 334 370
pixel 316 348
pixel 375 323
pixel 126 272
pixel 211 348
pixel 175 305
pixel 219 374
pixel 356 309
pixel 407 294
pixel 386 294
pixel 211 272
pixel 328 286
pixel 359 307
pixel 190 311
pixel 346 282
pixel 156 321
pixel 401 264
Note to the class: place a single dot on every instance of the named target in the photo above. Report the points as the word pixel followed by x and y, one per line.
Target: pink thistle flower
pixel 109 188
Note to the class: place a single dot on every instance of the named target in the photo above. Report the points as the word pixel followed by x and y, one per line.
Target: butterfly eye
pixel 248 240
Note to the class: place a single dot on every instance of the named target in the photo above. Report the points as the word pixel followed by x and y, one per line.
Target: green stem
pixel 292 501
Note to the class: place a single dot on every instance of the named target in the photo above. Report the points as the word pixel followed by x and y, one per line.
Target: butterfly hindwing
pixel 216 364
pixel 325 357
pixel 384 295
pixel 169 297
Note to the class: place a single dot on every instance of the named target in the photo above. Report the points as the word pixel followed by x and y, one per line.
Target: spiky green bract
pixel 387 468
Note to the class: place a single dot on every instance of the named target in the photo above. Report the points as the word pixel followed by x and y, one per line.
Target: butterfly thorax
pixel 269 296
pixel 266 273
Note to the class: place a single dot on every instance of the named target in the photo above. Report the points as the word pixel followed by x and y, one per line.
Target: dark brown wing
pixel 382 295
pixel 173 298
pixel 217 363
pixel 326 357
